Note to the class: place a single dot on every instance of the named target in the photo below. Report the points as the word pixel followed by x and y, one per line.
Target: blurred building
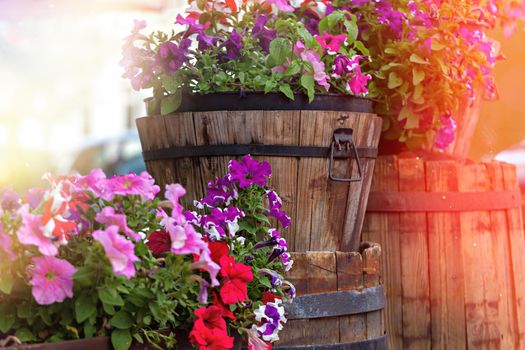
pixel 60 79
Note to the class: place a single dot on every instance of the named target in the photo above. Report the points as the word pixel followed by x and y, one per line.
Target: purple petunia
pixel 249 171
pixel 271 318
pixel 264 35
pixel 445 135
pixel 218 192
pixel 233 46
pixel 171 56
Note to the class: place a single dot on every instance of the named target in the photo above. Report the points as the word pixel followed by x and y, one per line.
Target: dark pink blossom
pixel 131 184
pixel 249 171
pixel 330 43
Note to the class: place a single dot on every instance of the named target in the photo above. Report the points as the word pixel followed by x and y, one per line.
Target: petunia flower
pixel 204 338
pixel 10 200
pixel 330 43
pixel 234 278
pixel 5 245
pixel 119 250
pixel 31 232
pixel 282 5
pixel 233 45
pixel 131 184
pixel 220 191
pixel 211 317
pixel 271 318
pixel 249 171
pixel 159 242
pixel 264 35
pixel 255 342
pixel 170 56
pixel 446 134
pixel 107 216
pixel 173 193
pixel 52 280
pixel 357 83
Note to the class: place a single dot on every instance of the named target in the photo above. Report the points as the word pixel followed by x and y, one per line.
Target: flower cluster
pixel 429 60
pixel 92 255
pixel 234 217
pixel 265 45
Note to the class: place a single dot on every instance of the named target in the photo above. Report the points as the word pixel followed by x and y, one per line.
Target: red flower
pixel 235 276
pixel 211 317
pixel 210 339
pixel 218 250
pixel 232 5
pixel 269 297
pixel 226 312
pixel 209 330
pixel 159 242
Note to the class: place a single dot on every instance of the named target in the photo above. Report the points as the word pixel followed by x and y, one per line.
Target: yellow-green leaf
pixel 417 59
pixel 436 45
pixel 417 76
pixel 394 80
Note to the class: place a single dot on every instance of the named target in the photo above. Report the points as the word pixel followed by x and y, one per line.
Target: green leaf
pixel 25 335
pixel 171 103
pixel 121 320
pixel 293 69
pixel 265 282
pixel 412 120
pixel 89 330
pixel 308 82
pixel 269 85
pixel 7 320
pixel 138 338
pixel 171 83
pixel 261 217
pixel 110 296
pixel 417 59
pixel 362 48
pixel 6 283
pixel 394 80
pixel 352 31
pixel 83 276
pixel 242 77
pixel 306 36
pixel 287 90
pixel 280 49
pixel 417 76
pixel 121 339
pixel 84 308
pixel 141 249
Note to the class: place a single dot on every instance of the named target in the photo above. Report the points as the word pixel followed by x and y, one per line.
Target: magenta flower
pixel 207 264
pixel 344 65
pixel 52 280
pixel 193 25
pixel 172 56
pixel 331 43
pixel 249 171
pixel 5 244
pixel 94 182
pixel 120 251
pixel 357 84
pixel 32 232
pixel 219 191
pixel 446 134
pixel 131 184
pixel 107 216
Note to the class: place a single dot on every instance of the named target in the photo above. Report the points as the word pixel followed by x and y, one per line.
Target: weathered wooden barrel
pixel 453 253
pixel 306 144
pixel 340 302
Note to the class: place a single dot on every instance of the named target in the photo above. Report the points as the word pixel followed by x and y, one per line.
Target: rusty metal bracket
pixel 343 142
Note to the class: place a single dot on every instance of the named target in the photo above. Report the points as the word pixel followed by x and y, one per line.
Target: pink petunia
pixel 282 5
pixel 107 216
pixel 32 232
pixel 320 75
pixel 173 193
pixel 52 280
pixel 94 182
pixel 119 250
pixel 5 244
pixel 131 184
pixel 330 43
pixel 184 238
pixel 357 84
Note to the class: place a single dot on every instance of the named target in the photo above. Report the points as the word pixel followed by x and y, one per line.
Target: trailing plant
pixel 93 256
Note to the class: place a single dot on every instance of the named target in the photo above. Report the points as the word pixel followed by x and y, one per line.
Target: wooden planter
pixel 454 253
pixel 340 302
pixel 192 148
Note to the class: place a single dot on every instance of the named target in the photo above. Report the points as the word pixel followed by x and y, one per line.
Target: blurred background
pixel 64 106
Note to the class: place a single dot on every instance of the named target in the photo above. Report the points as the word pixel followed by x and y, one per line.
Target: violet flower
pixel 233 46
pixel 171 56
pixel 264 35
pixel 249 171
pixel 446 134
pixel 270 318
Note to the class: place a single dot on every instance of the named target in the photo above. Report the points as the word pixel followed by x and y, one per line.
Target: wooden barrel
pixel 194 147
pixel 454 253
pixel 340 302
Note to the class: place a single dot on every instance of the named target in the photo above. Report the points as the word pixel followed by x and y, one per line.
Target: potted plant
pixel 246 73
pixel 91 257
pixel 431 63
